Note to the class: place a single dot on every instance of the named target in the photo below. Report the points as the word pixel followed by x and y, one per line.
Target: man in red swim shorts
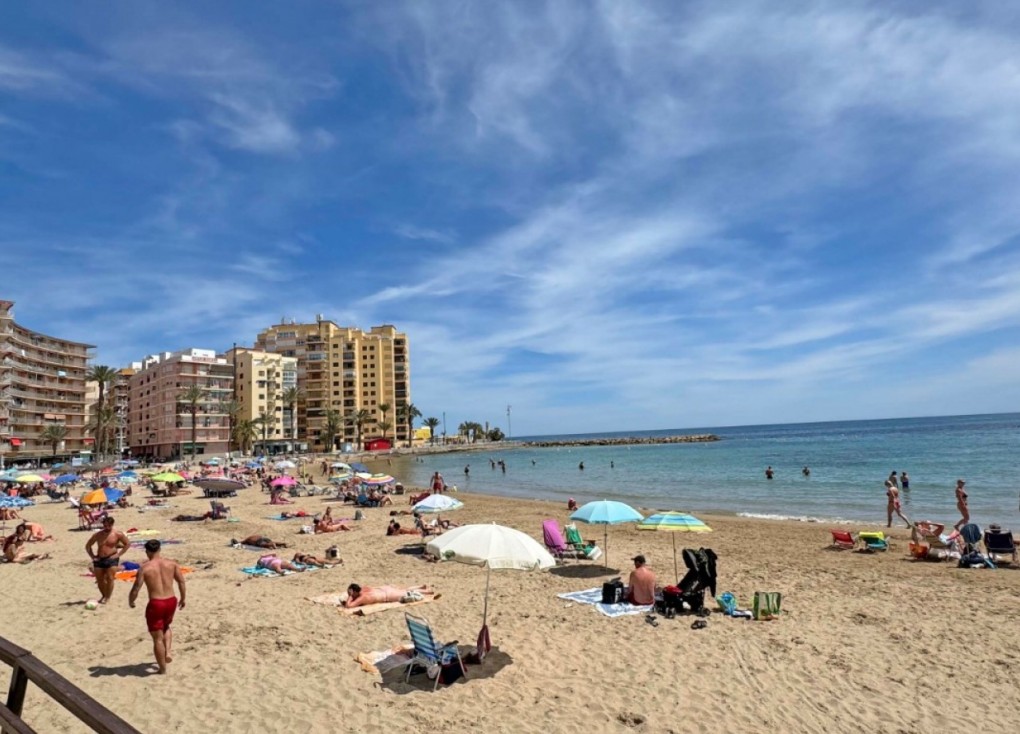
pixel 159 574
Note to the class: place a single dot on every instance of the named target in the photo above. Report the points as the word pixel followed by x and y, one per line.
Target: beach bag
pixel 672 599
pixel 767 605
pixel 612 592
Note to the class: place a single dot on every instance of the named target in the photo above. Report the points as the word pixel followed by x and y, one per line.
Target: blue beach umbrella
pixel 7 502
pixel 66 479
pixel 674 522
pixel 127 475
pixel 606 512
pixel 360 468
pixel 112 495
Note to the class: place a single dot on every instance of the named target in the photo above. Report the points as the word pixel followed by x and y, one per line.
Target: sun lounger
pixel 558 546
pixel 874 541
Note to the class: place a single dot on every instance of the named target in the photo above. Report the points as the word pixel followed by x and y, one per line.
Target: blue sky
pixel 609 215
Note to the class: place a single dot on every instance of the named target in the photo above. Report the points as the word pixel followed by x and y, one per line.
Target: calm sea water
pixel 849 462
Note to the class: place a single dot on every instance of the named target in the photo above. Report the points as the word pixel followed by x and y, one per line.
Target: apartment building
pixel 42 383
pixel 347 370
pixel 159 422
pixel 262 381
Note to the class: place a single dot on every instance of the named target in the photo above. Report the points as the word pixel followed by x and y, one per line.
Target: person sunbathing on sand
pixel 358 596
pixel 9 513
pixel 324 526
pixel 394 529
pixel 273 562
pixel 307 559
pixel 262 541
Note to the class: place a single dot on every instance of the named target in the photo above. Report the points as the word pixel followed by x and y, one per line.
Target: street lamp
pixel 509 427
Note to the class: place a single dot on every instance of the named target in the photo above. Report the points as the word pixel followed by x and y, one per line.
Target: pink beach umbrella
pixel 283 482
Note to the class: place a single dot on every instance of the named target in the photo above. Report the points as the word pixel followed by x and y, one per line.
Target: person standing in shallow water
pixel 892 493
pixel 581 466
pixel 904 481
pixel 769 473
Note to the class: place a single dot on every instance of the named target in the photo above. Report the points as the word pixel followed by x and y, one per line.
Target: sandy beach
pixel 866 641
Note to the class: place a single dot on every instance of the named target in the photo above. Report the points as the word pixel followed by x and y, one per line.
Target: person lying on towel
pixel 273 562
pixel 358 596
pixel 394 529
pixel 262 541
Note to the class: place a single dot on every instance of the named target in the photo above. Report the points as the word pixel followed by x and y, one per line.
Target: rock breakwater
pixel 625 441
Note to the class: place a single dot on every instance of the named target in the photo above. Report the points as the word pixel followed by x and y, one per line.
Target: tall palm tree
pixel 384 408
pixel 233 409
pixel 191 398
pixel 405 416
pixel 53 434
pixel 385 426
pixel 432 423
pixel 244 434
pixel 359 420
pixel 291 397
pixel 103 375
pixel 331 428
pixel 101 424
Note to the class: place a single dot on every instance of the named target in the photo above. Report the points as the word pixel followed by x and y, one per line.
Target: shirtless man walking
pixel 158 574
pixel 110 546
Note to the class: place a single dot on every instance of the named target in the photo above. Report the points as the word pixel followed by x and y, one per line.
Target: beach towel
pixel 292 517
pixel 141 533
pixel 337 600
pixel 593 597
pixel 132 574
pixel 383 661
pixel 254 571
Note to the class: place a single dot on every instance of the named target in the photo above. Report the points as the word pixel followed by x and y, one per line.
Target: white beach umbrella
pixel 285 464
pixel 491 546
pixel 436 503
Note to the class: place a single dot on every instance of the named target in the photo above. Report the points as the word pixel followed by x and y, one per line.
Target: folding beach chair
pixel 428 653
pixel 843 540
pixel 1001 547
pixel 575 542
pixel 555 543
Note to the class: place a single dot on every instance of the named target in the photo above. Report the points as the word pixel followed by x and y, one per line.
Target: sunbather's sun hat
pixel 994 528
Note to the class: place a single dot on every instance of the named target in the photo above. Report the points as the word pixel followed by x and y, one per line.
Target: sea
pixel 849 462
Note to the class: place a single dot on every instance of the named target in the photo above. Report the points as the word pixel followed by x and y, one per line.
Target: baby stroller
pixel 689 593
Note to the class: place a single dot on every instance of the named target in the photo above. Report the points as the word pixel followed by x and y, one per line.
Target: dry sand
pixel 866 643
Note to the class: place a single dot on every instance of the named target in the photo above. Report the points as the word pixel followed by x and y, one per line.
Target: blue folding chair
pixel 428 652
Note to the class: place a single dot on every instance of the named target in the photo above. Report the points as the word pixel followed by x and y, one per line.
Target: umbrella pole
pixel 605 542
pixel 485 612
pixel 676 572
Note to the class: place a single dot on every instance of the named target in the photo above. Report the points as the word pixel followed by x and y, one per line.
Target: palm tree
pixel 384 408
pixel 359 420
pixel 103 420
pixel 191 398
pixel 432 423
pixel 331 429
pixel 103 375
pixel 405 416
pixel 233 409
pixel 291 397
pixel 244 434
pixel 53 434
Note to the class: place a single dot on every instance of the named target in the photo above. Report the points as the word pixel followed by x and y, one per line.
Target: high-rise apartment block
pixel 347 370
pixel 42 383
pixel 264 382
pixel 159 420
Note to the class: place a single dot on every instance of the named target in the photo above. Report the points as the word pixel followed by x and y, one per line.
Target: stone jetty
pixel 624 441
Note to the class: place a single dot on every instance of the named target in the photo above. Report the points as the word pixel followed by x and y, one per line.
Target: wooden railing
pixel 27 667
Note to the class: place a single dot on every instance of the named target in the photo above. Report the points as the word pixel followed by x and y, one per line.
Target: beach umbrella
pixel 360 468
pixel 494 547
pixel 606 513
pixel 376 480
pixel 168 476
pixel 436 503
pixel 283 482
pixel 220 484
pixel 29 478
pixel 14 503
pixel 128 475
pixel 95 497
pixel 66 479
pixel 673 523
pixel 55 466
pixel 340 465
pixel 285 464
pixel 337 478
pixel 112 495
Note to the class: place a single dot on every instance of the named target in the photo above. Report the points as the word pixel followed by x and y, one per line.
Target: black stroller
pixel 689 593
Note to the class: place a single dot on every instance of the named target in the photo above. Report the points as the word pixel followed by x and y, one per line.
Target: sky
pixel 607 215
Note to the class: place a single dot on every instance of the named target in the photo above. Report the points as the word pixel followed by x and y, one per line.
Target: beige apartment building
pixel 261 382
pixel 159 423
pixel 347 370
pixel 42 383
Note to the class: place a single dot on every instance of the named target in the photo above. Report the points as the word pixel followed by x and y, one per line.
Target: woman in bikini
pixel 961 504
pixel 307 559
pixel 893 493
pixel 273 562
pixel 358 596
